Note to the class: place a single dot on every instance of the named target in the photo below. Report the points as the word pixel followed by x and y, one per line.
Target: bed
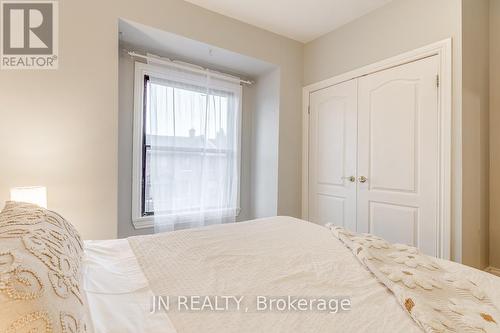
pixel 272 258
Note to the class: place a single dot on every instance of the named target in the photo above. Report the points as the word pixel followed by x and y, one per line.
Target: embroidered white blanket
pixel 437 300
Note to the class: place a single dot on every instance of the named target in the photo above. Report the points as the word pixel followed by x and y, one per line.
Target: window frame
pixel 143 70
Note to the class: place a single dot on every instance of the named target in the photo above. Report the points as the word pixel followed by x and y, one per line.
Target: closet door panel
pixel 398 144
pixel 393 128
pixel 332 155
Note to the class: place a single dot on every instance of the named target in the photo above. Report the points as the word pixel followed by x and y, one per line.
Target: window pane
pixel 187 113
pixel 193 136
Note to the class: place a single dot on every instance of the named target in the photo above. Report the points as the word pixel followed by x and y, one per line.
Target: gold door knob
pixel 362 179
pixel 352 179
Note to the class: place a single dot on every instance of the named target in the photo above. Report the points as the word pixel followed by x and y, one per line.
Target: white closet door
pixel 332 155
pixel 398 147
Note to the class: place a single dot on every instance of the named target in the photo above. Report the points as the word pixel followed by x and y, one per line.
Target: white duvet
pixel 276 256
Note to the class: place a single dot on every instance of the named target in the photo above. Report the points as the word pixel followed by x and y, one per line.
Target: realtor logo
pixel 29 35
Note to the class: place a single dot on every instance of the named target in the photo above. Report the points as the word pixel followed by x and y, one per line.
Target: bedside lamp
pixel 35 194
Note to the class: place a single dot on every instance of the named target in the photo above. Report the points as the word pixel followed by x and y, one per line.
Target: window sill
pixel 143 222
pixel 147 222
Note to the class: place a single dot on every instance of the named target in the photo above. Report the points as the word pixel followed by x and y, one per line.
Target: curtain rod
pixel 192 69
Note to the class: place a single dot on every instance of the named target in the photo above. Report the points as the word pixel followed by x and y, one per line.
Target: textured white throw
pixel 437 300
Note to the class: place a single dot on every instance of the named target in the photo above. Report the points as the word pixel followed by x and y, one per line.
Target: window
pixel 187 130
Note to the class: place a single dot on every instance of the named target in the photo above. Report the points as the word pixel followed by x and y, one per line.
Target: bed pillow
pixel 40 275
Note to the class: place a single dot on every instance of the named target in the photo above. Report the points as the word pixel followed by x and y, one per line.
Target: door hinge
pixel 309 109
pixel 437 81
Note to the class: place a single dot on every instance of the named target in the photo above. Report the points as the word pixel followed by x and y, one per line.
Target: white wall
pixel 475 132
pixel 248 110
pixel 60 128
pixel 494 227
pixel 400 26
pixel 264 165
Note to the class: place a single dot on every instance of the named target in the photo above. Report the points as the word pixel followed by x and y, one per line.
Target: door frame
pixel 442 49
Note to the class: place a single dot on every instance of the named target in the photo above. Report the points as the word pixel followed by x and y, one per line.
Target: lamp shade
pixel 35 194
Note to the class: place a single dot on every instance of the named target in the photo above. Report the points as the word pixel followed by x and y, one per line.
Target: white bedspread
pixel 276 256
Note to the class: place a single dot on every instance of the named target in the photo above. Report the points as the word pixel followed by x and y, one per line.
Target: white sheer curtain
pixel 192 135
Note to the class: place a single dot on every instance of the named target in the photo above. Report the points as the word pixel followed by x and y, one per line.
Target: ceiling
pixel 145 39
pixel 302 20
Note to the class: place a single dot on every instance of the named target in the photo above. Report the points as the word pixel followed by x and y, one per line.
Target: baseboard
pixel 493 270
